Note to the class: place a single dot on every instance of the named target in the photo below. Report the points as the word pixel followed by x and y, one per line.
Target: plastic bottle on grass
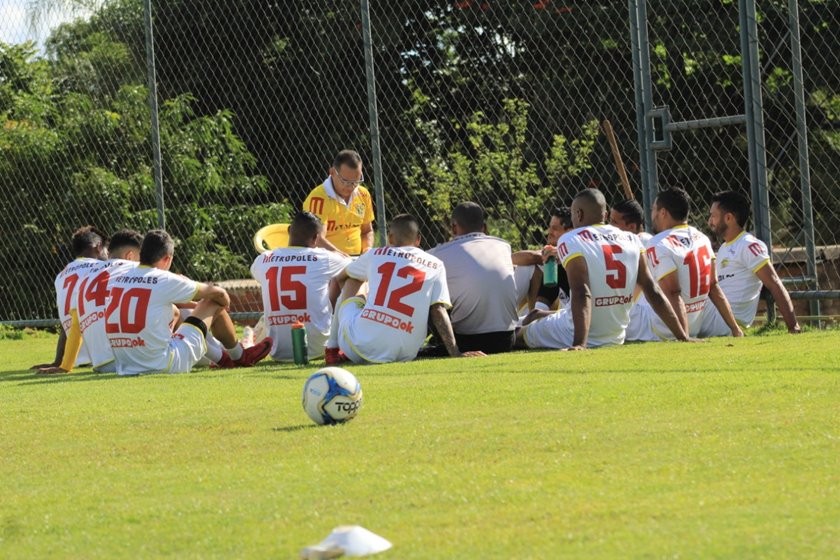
pixel 299 349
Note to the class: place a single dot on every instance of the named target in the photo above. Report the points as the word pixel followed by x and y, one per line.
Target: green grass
pixel 729 449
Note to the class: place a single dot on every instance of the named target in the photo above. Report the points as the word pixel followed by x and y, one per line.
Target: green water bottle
pixel 550 272
pixel 299 350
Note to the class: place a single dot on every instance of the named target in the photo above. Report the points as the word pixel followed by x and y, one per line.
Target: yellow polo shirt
pixel 342 220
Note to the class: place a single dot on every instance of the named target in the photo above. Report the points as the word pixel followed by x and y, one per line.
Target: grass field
pixel 729 449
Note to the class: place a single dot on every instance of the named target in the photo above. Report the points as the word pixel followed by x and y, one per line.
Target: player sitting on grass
pixel 683 263
pixel 407 288
pixel 628 215
pixel 89 304
pixel 603 264
pixel 90 248
pixel 295 282
pixel 138 316
pixel 743 267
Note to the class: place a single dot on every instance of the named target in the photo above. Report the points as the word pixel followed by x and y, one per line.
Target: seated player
pixel 407 288
pixel 683 263
pixel 549 297
pixel 603 264
pixel 628 215
pixel 480 278
pixel 90 248
pixel 139 313
pixel 295 282
pixel 743 267
pixel 88 307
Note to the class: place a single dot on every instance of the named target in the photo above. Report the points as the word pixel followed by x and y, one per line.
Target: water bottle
pixel 247 337
pixel 299 350
pixel 550 272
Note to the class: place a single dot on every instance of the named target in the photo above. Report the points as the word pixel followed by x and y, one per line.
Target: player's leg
pixel 347 316
pixel 332 352
pixel 552 331
pixel 216 319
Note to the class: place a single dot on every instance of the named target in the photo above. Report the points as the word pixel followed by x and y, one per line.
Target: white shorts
pixel 522 279
pixel 713 324
pixel 186 348
pixel 551 331
pixel 640 327
pixel 348 315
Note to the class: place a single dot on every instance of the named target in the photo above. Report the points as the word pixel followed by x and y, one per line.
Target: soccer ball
pixel 332 395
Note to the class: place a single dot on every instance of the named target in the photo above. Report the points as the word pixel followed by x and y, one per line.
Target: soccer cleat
pixel 225 362
pixel 334 356
pixel 255 353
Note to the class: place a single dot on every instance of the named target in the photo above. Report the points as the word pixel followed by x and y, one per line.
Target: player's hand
pixel 694 339
pixel 575 348
pixel 738 333
pixel 795 329
pixel 472 354
pixel 42 366
pixel 52 369
pixel 535 314
pixel 549 251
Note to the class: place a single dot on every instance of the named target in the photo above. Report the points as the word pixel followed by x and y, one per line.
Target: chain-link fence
pixel 503 103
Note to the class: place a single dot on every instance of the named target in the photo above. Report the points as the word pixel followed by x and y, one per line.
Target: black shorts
pixel 489 343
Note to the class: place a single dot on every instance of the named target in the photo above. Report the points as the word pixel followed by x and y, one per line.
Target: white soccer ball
pixel 332 395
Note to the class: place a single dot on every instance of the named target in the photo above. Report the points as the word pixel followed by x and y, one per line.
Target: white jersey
pixel 737 264
pixel 91 303
pixel 138 315
pixel 403 283
pixel 645 238
pixel 480 278
pixel 612 258
pixel 66 288
pixel 687 252
pixel 295 287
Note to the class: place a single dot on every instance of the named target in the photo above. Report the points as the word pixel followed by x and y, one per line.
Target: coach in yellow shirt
pixel 344 206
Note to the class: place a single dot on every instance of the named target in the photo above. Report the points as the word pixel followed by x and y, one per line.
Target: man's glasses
pixel 351 183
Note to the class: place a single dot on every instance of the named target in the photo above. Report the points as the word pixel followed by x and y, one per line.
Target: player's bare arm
pixel 440 319
pixel 767 275
pixel 718 298
pixel 581 300
pixel 657 300
pixel 59 352
pixel 213 293
pixel 367 236
pixel 670 286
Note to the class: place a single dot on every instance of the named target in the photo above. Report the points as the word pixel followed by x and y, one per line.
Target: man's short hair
pixel 306 225
pixel 156 245
pixel 87 237
pixel 564 214
pixel 350 158
pixel 404 228
pixel 125 239
pixel 469 216
pixel 734 203
pixel 631 212
pixel 676 201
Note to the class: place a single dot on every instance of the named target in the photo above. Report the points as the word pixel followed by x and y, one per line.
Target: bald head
pixel 404 231
pixel 589 207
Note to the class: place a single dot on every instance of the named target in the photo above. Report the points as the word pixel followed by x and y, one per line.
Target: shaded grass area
pixel 724 449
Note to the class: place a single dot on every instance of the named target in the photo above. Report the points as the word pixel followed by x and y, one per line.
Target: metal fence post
pixel 639 86
pixel 376 153
pixel 649 175
pixel 153 108
pixel 804 163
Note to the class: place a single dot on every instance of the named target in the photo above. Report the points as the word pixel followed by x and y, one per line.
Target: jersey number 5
pixel 395 300
pixel 616 271
pixel 288 292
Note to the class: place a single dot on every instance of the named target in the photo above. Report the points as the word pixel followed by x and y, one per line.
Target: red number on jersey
pixel 288 293
pixel 394 301
pixel 129 308
pixel 616 271
pixel 96 291
pixel 699 271
pixel 69 285
pixel 651 255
